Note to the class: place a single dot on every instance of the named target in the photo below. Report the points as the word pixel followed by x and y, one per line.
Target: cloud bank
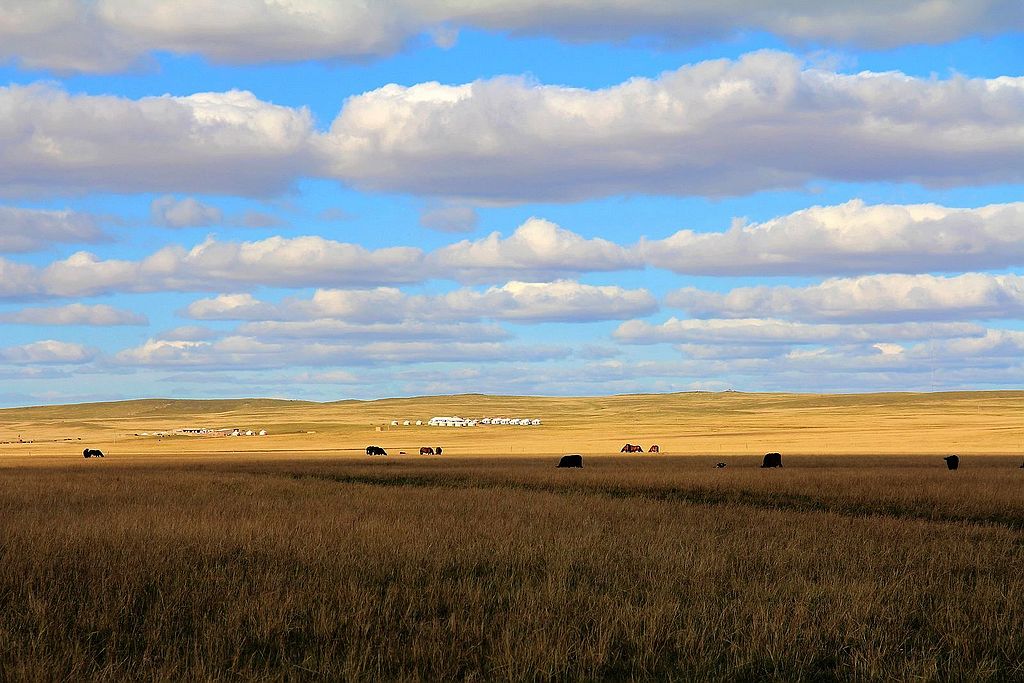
pixel 868 298
pixel 110 35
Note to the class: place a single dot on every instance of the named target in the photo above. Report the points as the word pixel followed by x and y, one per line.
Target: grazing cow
pixel 772 460
pixel 572 460
pixel 654 449
pixel 92 453
pixel 720 465
pixel 375 450
pixel 630 448
pixel 426 450
pixel 437 451
pixel 952 461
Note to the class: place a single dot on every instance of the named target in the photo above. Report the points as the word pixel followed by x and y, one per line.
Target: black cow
pixel 437 451
pixel 92 453
pixel 772 460
pixel 572 460
pixel 952 461
pixel 654 449
pixel 426 450
pixel 720 465
pixel 375 450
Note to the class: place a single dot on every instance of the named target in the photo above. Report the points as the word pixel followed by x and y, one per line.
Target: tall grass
pixel 473 569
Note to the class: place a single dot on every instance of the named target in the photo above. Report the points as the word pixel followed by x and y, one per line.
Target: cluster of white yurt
pixel 517 421
pixel 453 421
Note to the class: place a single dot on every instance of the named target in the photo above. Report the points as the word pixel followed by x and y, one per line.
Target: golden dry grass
pixel 296 557
pixel 690 423
pixel 509 569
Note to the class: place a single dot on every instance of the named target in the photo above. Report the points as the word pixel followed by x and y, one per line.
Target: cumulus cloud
pixel 868 298
pixel 771 331
pixel 100 315
pixel 228 142
pixel 537 250
pixel 106 35
pixel 720 127
pixel 187 212
pixel 276 261
pixel 48 351
pixel 851 238
pixel 24 230
pixel 559 301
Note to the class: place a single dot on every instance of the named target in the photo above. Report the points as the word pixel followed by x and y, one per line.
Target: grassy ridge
pixel 692 423
pixel 509 569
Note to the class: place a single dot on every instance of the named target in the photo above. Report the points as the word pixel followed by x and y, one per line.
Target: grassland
pixel 179 558
pixel 727 423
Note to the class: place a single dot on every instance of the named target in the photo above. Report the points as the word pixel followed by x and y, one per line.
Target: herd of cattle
pixel 576 460
pixel 426 450
pixel 636 448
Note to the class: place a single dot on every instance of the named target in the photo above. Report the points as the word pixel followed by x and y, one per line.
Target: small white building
pixel 485 421
pixel 394 423
pixel 535 422
pixel 419 423
pixel 263 432
pixel 405 424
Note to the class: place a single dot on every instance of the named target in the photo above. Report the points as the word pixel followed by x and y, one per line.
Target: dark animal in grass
pixel 572 460
pixel 92 453
pixel 1022 467
pixel 952 461
pixel 772 460
pixel 375 450
pixel 630 448
pixel 720 465
pixel 437 451
pixel 426 450
pixel 654 449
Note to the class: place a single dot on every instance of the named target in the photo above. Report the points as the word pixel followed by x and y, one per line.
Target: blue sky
pixel 308 200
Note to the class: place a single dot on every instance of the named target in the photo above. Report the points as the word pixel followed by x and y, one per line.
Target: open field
pixel 684 424
pixel 485 568
pixel 295 556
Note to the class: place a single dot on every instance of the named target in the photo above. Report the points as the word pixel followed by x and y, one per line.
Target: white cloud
pixel 23 230
pixel 537 250
pixel 714 128
pixel 867 298
pixel 275 261
pixel 851 238
pixel 48 351
pixel 559 301
pixel 228 142
pixel 106 35
pixel 187 212
pixel 718 127
pixel 75 314
pixel 770 331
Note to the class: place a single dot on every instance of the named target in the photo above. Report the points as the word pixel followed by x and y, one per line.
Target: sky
pixel 330 200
